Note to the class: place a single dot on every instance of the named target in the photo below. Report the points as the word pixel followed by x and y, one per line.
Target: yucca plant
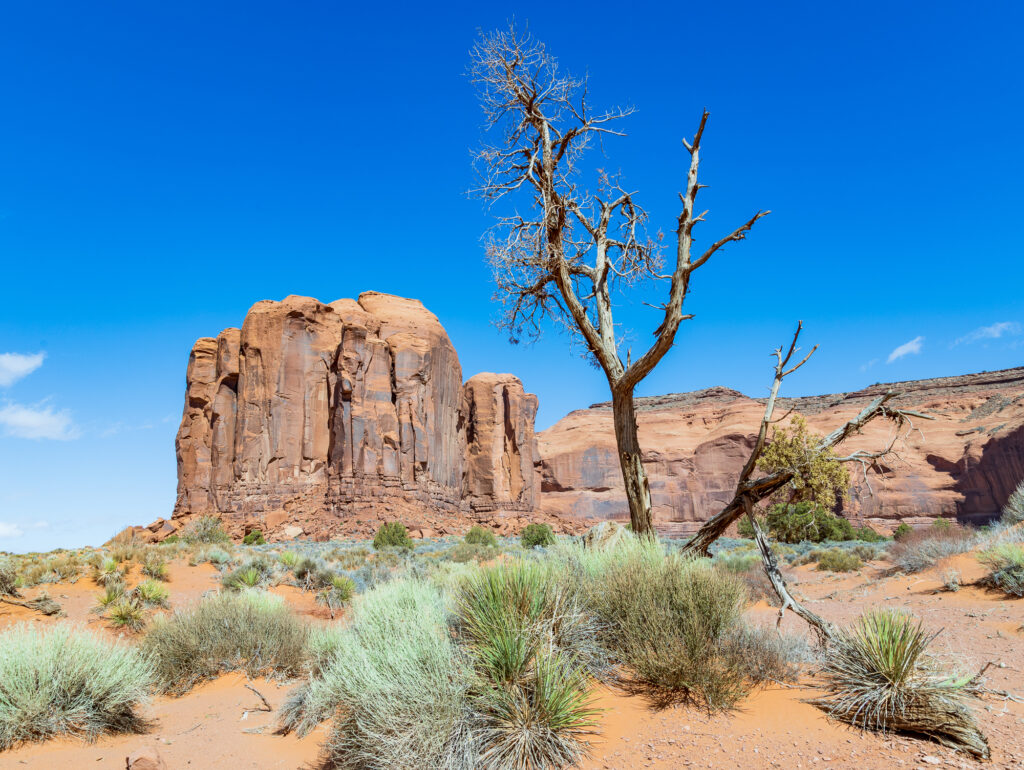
pixel 127 613
pixel 112 594
pixel 879 676
pixel 289 558
pixel 341 589
pixel 539 723
pixel 152 593
pixel 108 571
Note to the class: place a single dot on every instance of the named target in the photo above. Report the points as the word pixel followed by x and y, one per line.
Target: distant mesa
pixel 325 420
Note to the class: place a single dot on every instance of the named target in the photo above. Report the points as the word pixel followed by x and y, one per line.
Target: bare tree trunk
pixel 638 490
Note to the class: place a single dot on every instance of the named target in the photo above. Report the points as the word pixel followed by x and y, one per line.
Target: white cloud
pixel 868 365
pixel 906 349
pixel 10 530
pixel 993 332
pixel 14 366
pixel 37 422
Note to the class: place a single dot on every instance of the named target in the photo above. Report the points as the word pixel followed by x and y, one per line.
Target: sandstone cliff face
pixel 321 415
pixel 964 464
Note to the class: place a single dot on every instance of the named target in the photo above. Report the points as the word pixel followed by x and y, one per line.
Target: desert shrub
pixel 215 556
pixel 818 475
pixel 341 589
pixel 922 548
pixel 951 579
pixel 312 574
pixel 252 632
pixel 1013 511
pixel 537 534
pixel 765 655
pixel 808 557
pixel 353 558
pixel 466 552
pixel 481 536
pixel 741 562
pixel 112 594
pixel 941 525
pixel 108 571
pixel 154 566
pixel 1006 564
pixel 152 594
pixel 64 681
pixel 806 521
pixel 289 558
pixel 171 540
pixel 865 552
pixel 901 531
pixel 252 573
pixel 880 676
pixel 667 618
pixel 510 612
pixel 392 534
pixel 126 612
pixel 204 530
pixel 838 560
pixel 867 534
pixel 8 581
pixel 254 538
pixel 395 682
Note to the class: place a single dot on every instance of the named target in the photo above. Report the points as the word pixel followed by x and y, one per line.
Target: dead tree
pixel 564 259
pixel 750 490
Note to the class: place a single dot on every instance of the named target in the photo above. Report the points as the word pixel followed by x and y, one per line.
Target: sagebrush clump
pixel 64 681
pixel 254 632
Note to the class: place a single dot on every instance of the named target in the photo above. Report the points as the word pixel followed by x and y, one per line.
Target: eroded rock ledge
pixel 333 417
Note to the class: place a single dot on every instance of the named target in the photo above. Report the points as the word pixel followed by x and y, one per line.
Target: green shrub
pixel 341 589
pixel 534 535
pixel 1013 511
pixel 8 581
pixel 478 535
pixel 152 594
pixel 901 532
pixel 865 552
pixel 879 676
pixel 171 540
pixel 254 538
pixel 393 534
pixel 942 525
pixel 867 534
pixel 394 682
pixel 1006 564
pixel 127 613
pixel 253 573
pixel 64 681
pixel 252 632
pixel 109 571
pixel 668 618
pixel 204 530
pixel 805 521
pixel 112 595
pixel 154 566
pixel 466 552
pixel 838 560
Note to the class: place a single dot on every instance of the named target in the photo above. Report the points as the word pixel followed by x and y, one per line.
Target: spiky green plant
pixel 289 558
pixel 879 676
pixel 152 594
pixel 127 613
pixel 108 571
pixel 341 589
pixel 155 566
pixel 113 593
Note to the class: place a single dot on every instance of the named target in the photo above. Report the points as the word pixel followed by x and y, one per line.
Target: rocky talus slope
pixel 962 464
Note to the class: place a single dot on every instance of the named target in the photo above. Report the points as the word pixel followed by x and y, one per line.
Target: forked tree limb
pixel 757 489
pixel 824 629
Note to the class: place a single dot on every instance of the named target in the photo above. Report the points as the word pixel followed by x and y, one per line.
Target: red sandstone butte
pixel 330 418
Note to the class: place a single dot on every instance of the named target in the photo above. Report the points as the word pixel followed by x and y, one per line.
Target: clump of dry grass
pixel 248 631
pixel 879 676
pixel 922 548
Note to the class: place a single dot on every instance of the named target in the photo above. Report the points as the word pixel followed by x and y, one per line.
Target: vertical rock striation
pixel 321 414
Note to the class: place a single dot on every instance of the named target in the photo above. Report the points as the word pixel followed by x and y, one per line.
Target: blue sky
pixel 165 166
